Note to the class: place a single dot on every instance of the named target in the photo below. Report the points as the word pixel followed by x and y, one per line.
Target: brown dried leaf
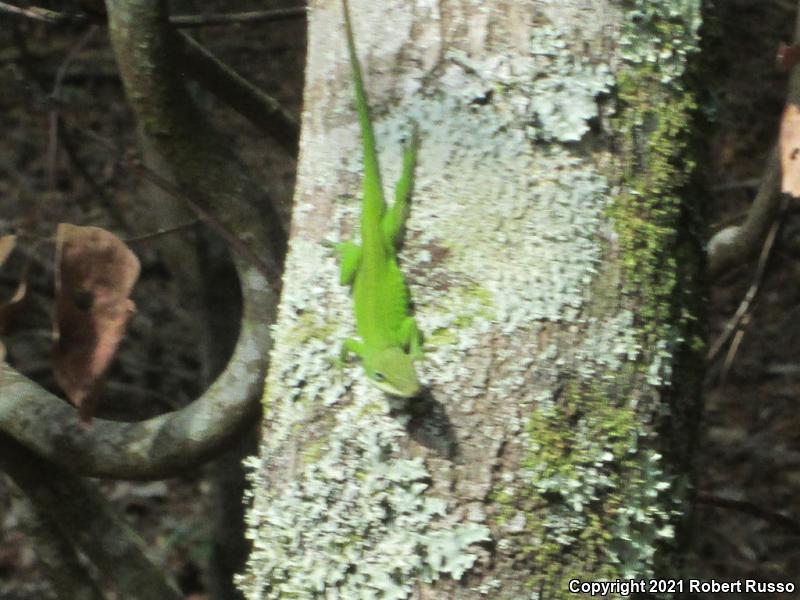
pixel 7 243
pixel 789 143
pixel 95 273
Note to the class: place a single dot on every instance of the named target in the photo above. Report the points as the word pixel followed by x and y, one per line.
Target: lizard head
pixel 392 370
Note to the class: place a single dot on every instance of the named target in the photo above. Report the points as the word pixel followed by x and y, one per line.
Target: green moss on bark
pixel 595 499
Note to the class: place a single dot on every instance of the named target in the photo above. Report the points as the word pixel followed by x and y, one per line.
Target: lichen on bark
pixel 596 499
pixel 520 255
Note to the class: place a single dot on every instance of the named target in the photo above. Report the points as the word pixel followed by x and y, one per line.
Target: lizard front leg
pixel 349 259
pixel 411 338
pixel 351 346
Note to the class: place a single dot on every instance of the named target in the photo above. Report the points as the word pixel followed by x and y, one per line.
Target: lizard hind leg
pixel 395 218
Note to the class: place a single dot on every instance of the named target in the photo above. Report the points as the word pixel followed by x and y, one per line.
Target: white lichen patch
pixel 357 521
pixel 563 99
pixel 313 317
pixel 589 476
pixel 518 222
pixel 553 88
pixel 667 50
pixel 608 345
pixel 645 519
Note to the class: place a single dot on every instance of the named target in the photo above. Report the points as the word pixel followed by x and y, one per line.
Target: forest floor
pixel 749 451
pixel 82 178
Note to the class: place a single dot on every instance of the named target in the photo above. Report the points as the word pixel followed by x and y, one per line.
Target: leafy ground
pixel 750 446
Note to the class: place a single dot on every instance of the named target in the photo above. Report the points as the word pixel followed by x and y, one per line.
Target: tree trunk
pixel 554 278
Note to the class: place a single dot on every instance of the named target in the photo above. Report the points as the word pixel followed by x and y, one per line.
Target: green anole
pixel 390 340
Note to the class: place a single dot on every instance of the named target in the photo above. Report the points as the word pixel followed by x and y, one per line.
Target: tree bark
pixel 553 273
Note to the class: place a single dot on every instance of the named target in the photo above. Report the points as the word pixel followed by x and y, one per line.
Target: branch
pixel 86 520
pixel 200 64
pixel 53 17
pixel 226 84
pixel 58 557
pixel 160 447
pixel 739 243
pixel 43 14
pixel 217 182
pixel 258 16
pixel 752 291
pixel 750 508
pixel 267 269
pixel 200 160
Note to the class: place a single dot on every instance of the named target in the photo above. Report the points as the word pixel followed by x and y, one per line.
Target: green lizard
pixel 390 341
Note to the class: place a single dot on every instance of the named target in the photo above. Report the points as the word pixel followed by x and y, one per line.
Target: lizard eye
pixel 378 376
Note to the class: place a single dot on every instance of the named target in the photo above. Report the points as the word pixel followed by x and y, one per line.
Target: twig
pixel 70 58
pixel 272 277
pixel 259 16
pixel 64 136
pixel 752 291
pixel 42 14
pixel 221 80
pixel 53 118
pixel 86 519
pixel 258 107
pixel 52 149
pixel 751 509
pixel 53 17
pixel 734 347
pixel 734 218
pixel 159 232
pixel 744 184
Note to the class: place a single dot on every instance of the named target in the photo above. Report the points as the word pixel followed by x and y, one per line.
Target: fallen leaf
pixel 95 273
pixel 789 146
pixel 7 243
